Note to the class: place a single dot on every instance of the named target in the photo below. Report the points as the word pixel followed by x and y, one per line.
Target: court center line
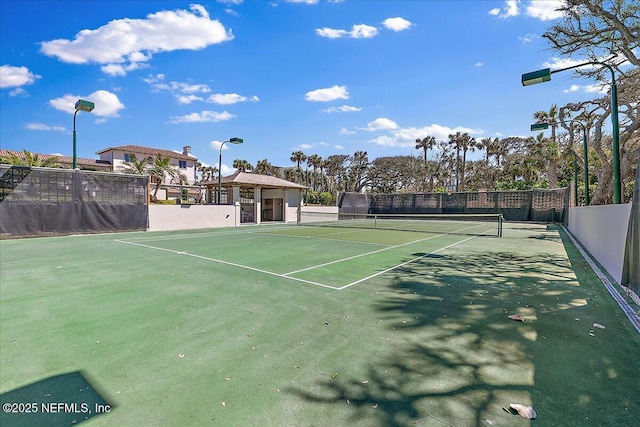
pixel 361 255
pixel 246 267
pixel 383 249
pixel 405 263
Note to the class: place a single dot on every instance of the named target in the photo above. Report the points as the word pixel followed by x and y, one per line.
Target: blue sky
pixel 323 77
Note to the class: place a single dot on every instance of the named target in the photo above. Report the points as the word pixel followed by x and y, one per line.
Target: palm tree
pixel 135 166
pixel 30 159
pixel 242 165
pixel 455 140
pixel 162 167
pixel 298 157
pixel 425 144
pixel 551 117
pixel 263 167
pixel 314 161
pixel 467 144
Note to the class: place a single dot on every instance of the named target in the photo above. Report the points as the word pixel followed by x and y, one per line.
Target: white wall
pixel 183 217
pixel 602 230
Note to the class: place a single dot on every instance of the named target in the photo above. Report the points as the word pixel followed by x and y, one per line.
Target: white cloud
pixel 215 145
pixel 406 137
pixel 302 1
pixel 306 146
pixel 18 92
pixel 202 117
pixel 544 9
pixel 343 109
pixel 358 31
pixel 527 38
pixel 16 76
pixel 479 64
pixel 123 45
pixel 380 123
pixel 187 99
pixel 43 127
pixel 363 31
pixel 185 93
pixel 557 63
pixel 397 24
pixel 338 147
pixel 331 33
pixel 345 131
pixel 593 88
pixel 230 98
pixel 106 103
pixel 230 1
pixel 327 94
pixel 510 9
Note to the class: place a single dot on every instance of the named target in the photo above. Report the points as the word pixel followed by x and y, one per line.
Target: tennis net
pixel 468 224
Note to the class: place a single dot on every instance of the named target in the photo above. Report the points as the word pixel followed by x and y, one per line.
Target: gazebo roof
pixel 257 180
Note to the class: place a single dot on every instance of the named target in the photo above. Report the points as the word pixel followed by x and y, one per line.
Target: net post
pixel 500 219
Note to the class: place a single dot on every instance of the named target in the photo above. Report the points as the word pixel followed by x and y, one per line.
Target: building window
pixel 127 157
pixel 182 164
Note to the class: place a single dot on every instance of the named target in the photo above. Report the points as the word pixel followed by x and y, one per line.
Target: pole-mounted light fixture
pixel 544 75
pixel 233 141
pixel 81 105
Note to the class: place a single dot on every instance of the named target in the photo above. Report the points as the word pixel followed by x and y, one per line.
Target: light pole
pixel 81 105
pixel 233 141
pixel 544 75
pixel 585 153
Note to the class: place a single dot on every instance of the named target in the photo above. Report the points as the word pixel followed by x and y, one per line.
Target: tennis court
pixel 332 323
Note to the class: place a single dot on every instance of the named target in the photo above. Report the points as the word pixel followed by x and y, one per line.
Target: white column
pixel 257 206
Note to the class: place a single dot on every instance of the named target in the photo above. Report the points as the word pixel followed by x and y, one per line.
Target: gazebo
pixel 262 198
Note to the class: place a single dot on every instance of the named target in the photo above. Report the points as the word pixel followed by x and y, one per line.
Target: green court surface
pixel 302 326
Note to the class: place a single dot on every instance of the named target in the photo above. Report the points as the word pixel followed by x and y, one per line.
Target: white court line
pixel 199 235
pixel 286 275
pixel 364 254
pixel 227 263
pixel 405 263
pixel 386 249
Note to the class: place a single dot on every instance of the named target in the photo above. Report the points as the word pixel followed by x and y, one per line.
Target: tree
pixel 30 159
pixel 335 171
pixel 551 146
pixel 298 157
pixel 610 29
pixel 467 144
pixel 454 141
pixel 241 165
pixel 314 161
pixel 356 171
pixel 263 167
pixel 135 166
pixel 162 168
pixel 425 144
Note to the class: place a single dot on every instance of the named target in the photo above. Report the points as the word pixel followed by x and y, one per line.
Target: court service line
pixel 361 255
pixel 246 267
pixel 383 249
pixel 405 263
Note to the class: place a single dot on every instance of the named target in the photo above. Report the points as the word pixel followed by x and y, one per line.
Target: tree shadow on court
pixel 61 400
pixel 456 358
